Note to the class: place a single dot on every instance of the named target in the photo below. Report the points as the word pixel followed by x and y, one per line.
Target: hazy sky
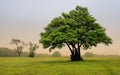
pixel 25 19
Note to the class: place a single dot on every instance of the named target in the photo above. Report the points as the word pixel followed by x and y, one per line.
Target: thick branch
pixel 73 45
pixel 79 46
pixel 74 48
pixel 69 47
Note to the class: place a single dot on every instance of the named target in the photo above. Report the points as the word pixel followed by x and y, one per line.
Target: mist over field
pixel 26 19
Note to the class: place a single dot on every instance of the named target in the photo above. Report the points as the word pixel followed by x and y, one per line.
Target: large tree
pixel 76 29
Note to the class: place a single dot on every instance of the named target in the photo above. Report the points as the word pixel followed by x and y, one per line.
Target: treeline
pixel 6 52
pixel 18 50
pixel 90 54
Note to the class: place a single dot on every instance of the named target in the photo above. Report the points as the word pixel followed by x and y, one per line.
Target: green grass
pixel 59 66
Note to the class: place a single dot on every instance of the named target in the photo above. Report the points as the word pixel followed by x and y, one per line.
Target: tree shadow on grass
pixel 93 60
pixel 69 61
pixel 56 61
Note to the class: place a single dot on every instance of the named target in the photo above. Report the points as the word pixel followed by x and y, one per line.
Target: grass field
pixel 59 66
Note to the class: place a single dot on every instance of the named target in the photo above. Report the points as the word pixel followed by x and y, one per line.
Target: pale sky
pixel 25 19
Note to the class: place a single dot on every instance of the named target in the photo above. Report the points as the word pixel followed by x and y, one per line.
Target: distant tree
pixel 76 29
pixel 19 45
pixel 89 54
pixel 56 54
pixel 32 48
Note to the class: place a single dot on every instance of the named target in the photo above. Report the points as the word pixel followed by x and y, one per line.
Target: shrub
pixel 56 54
pixel 89 54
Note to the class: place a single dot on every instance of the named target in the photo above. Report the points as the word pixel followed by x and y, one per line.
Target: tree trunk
pixel 31 54
pixel 75 51
pixel 76 56
pixel 19 53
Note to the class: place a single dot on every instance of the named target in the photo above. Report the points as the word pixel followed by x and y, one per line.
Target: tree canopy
pixel 19 45
pixel 75 29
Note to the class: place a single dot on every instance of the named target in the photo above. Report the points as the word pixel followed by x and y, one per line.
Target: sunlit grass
pixel 59 66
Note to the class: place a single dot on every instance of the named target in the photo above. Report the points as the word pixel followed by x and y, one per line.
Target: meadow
pixel 59 66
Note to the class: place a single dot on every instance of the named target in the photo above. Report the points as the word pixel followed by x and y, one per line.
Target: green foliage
pixel 89 54
pixel 32 48
pixel 76 26
pixel 56 54
pixel 75 29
